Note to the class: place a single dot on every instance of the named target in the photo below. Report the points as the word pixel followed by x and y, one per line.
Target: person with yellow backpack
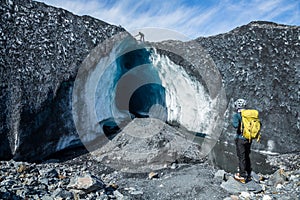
pixel 247 124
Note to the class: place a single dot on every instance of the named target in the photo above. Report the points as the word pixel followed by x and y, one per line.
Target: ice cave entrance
pixel 135 92
pixel 140 81
pixel 147 95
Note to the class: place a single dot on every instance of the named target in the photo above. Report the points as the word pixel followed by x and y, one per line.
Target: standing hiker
pixel 242 144
pixel 142 36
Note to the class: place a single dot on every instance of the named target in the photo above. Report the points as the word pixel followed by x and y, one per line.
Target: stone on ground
pixel 279 177
pixel 220 175
pixel 235 187
pixel 87 183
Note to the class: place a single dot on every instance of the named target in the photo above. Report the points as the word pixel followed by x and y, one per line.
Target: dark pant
pixel 243 152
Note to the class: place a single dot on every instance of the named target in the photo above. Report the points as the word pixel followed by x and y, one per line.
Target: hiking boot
pixel 239 178
pixel 249 178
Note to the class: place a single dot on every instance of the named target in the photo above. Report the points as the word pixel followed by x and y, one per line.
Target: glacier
pixel 258 61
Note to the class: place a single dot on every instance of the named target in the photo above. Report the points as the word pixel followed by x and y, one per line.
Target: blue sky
pixel 191 18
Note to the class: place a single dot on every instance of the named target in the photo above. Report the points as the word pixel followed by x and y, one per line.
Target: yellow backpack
pixel 250 124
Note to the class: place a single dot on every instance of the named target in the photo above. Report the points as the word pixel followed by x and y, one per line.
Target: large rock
pixel 42 48
pixel 86 183
pixel 279 177
pixel 260 62
pixel 235 187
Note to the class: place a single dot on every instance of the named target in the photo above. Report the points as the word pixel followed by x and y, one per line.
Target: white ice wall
pixel 186 99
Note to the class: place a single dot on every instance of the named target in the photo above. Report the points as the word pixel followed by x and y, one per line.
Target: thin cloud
pixel 267 6
pixel 192 20
pixel 240 13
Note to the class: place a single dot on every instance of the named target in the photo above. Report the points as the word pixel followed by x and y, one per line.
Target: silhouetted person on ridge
pixel 142 36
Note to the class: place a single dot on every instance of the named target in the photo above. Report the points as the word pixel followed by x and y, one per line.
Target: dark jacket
pixel 236 123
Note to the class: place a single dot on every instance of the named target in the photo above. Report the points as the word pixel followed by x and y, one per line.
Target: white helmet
pixel 240 103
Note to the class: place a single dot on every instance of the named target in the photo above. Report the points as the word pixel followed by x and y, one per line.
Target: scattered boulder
pixel 152 175
pixel 245 195
pixel 174 165
pixel 253 187
pixel 232 186
pixel 279 177
pixel 52 174
pixel 255 177
pixel 114 186
pixel 134 191
pixel 22 168
pixel 234 197
pixel 220 175
pixel 235 187
pixel 119 196
pixel 87 183
pixel 266 197
pixel 59 193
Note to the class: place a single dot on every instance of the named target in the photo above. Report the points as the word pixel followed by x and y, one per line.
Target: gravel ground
pixel 78 174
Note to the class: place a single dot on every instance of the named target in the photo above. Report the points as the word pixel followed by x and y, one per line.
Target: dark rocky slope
pixel 41 49
pixel 261 63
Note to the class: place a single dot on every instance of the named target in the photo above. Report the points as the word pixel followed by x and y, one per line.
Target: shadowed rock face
pixel 41 50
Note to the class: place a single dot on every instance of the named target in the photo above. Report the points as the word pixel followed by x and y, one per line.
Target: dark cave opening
pixel 147 101
pixel 139 90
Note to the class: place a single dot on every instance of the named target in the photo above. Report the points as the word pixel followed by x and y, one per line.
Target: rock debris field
pixel 86 177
